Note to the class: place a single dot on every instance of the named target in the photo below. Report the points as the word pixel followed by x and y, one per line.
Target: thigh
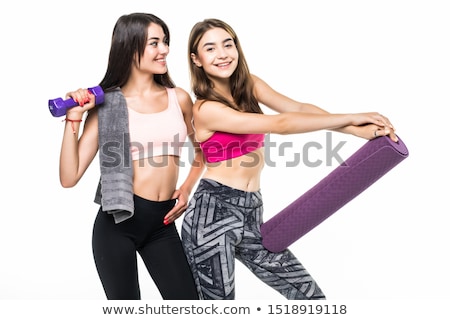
pixel 166 262
pixel 115 259
pixel 213 269
pixel 210 231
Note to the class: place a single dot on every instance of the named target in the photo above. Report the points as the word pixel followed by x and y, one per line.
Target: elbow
pixel 67 183
pixel 68 178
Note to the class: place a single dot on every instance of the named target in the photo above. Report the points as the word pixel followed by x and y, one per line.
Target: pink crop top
pixel 160 133
pixel 223 145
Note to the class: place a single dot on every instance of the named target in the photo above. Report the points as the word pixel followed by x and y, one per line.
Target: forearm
pixel 69 156
pixel 361 125
pixel 310 108
pixel 301 122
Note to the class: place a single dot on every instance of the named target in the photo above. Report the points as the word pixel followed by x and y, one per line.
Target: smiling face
pixel 216 54
pixel 153 60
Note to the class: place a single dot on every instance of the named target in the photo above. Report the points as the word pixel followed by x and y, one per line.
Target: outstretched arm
pixel 214 116
pixel 281 103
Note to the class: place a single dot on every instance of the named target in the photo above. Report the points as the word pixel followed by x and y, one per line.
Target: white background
pixel 391 242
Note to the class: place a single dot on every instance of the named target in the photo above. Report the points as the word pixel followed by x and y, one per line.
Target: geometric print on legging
pixel 222 224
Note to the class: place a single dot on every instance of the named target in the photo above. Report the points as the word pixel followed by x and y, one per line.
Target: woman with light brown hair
pixel 222 222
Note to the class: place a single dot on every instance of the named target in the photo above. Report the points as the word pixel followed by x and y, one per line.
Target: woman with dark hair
pixel 223 219
pixel 138 133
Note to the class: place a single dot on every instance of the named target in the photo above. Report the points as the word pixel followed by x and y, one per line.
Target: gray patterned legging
pixel 222 223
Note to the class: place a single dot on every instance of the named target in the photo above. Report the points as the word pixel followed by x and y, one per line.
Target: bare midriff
pixel 241 173
pixel 156 178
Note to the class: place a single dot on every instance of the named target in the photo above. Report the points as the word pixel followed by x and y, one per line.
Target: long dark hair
pixel 128 41
pixel 241 83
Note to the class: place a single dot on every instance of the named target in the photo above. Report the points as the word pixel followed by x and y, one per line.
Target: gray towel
pixel 115 189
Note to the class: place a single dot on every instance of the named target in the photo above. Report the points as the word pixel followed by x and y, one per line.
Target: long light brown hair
pixel 241 84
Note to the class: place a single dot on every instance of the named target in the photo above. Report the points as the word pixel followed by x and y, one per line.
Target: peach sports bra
pixel 159 133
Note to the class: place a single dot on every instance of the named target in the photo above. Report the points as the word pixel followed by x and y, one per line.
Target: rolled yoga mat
pixel 369 163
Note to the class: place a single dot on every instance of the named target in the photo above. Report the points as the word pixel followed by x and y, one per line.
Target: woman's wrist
pixel 349 129
pixel 76 116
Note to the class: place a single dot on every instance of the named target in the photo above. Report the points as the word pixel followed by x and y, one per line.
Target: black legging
pixel 115 246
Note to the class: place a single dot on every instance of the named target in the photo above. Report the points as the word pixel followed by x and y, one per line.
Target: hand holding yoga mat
pixel 369 163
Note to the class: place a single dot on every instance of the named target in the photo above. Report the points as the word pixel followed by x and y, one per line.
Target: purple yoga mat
pixel 369 163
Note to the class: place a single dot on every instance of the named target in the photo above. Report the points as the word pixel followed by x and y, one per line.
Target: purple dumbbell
pixel 58 106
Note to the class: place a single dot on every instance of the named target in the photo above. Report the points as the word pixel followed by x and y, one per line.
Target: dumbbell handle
pixel 58 106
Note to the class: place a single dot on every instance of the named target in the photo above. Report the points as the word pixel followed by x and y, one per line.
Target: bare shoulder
pixel 207 108
pixel 257 81
pixel 184 100
pixel 259 85
pixel 183 96
pixel 255 78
